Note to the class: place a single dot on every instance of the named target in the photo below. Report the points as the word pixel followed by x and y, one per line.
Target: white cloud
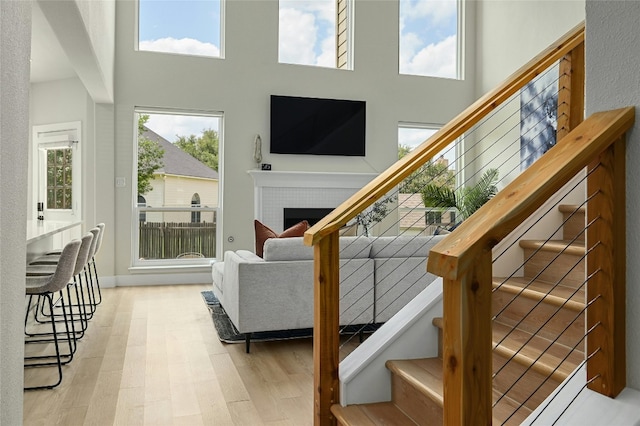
pixel 187 46
pixel 298 34
pixel 437 11
pixel 321 9
pixel 436 60
pixel 327 57
pixel 168 126
pixel 413 136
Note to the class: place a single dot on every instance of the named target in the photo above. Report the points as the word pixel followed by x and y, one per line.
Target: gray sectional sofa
pixel 378 276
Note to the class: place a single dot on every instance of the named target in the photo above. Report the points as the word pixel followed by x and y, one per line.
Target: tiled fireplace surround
pixel 275 190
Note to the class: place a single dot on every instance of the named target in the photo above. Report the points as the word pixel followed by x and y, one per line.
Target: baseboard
pixel 155 279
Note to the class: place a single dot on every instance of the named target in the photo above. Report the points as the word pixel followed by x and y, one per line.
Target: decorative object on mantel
pixel 257 150
pixel 374 214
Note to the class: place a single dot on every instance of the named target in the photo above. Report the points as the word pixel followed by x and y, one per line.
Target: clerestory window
pixel 430 38
pixel 315 32
pixel 187 27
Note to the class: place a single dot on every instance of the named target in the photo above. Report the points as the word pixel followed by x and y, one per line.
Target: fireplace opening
pixel 311 215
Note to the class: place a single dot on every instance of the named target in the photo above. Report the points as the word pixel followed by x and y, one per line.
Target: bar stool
pixel 46 286
pixel 92 262
pixel 40 264
pixel 43 269
pixel 101 226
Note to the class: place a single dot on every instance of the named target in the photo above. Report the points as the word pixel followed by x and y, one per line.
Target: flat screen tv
pixel 317 126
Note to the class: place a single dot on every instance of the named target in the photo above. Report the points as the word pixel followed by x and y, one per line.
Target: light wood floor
pixel 151 356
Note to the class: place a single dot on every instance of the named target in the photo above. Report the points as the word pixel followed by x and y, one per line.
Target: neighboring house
pixel 182 181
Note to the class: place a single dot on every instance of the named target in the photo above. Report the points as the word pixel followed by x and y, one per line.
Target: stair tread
pixel 379 413
pixel 425 375
pixel 538 290
pixel 527 350
pixel 575 248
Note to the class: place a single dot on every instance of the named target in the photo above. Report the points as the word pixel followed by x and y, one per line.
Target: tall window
pixel 190 27
pixel 429 38
pixel 315 32
pixel 177 177
pixel 59 178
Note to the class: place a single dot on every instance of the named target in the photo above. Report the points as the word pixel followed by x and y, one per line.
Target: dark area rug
pixel 229 334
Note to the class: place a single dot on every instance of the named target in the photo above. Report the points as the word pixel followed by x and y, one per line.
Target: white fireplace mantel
pixel 276 190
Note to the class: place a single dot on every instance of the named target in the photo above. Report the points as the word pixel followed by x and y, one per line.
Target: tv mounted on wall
pixel 317 126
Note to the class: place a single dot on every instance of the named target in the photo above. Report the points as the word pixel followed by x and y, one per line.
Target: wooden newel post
pixel 326 334
pixel 467 345
pixel 607 263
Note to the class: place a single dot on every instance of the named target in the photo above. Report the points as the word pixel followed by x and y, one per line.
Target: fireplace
pixel 311 215
pixel 276 190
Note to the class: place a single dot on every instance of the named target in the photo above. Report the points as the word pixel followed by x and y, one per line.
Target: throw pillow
pixel 263 233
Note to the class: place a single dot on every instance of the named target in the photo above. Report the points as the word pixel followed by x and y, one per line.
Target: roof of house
pixel 178 162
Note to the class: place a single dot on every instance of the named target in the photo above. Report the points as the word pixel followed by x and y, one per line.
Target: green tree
pixel 203 148
pixel 434 172
pixel 150 156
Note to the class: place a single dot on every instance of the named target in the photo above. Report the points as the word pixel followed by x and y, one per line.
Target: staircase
pixel 538 331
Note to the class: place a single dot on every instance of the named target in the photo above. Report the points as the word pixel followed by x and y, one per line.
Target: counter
pixel 46 235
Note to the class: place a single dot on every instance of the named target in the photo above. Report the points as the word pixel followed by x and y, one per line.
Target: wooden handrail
pixel 391 177
pixel 450 258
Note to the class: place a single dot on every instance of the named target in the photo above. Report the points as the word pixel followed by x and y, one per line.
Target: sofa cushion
pixel 217 274
pixel 278 249
pixel 295 249
pixel 249 256
pixel 263 233
pixel 355 247
pixel 404 246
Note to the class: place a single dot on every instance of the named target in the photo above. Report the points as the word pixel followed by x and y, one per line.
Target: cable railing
pixel 488 135
pixel 408 220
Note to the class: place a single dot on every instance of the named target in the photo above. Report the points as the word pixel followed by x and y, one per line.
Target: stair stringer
pixel 409 334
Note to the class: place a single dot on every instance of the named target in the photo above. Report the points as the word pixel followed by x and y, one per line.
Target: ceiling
pixel 48 59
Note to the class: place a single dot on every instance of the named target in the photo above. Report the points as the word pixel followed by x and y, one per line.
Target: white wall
pixel 15 47
pixel 509 33
pixel 613 81
pixel 240 85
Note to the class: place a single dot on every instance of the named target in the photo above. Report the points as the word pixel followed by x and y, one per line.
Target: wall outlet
pixel 120 182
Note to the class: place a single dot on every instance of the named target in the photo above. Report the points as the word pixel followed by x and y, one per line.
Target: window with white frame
pixel 177 200
pixel 57 170
pixel 188 27
pixel 430 38
pixel 315 32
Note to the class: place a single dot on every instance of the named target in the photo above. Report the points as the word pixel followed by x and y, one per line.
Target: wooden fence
pixel 169 240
